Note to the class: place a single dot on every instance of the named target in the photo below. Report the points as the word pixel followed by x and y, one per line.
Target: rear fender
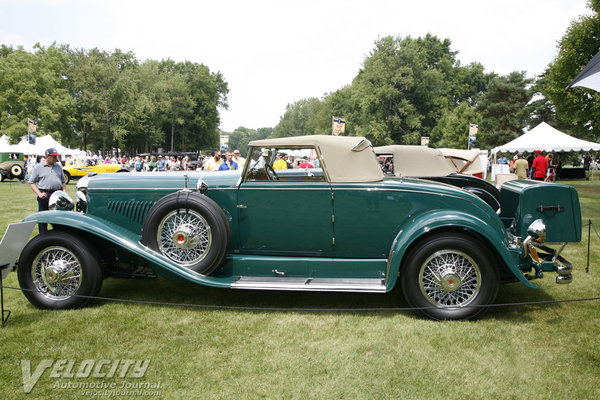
pixel 443 220
pixel 128 241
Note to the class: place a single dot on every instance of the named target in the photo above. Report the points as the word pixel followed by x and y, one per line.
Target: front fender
pixel 128 241
pixel 444 219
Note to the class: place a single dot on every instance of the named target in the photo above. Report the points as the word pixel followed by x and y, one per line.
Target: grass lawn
pixel 549 351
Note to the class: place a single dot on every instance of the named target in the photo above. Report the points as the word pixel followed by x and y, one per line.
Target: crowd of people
pixel 232 160
pixel 537 166
pixel 216 161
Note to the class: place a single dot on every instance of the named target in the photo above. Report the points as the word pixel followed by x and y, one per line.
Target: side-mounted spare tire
pixel 190 229
pixel 16 171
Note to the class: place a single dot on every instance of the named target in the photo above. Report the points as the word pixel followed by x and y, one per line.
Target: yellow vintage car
pixel 83 165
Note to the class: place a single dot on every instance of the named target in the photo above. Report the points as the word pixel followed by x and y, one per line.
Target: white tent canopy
pixel 546 138
pixel 39 148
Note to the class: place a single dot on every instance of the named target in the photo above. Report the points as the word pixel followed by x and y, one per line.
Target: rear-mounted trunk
pixel 523 202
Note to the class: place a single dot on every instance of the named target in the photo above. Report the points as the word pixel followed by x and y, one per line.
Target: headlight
pixel 81 205
pixel 82 184
pixel 82 191
pixel 201 187
pixel 60 201
pixel 537 230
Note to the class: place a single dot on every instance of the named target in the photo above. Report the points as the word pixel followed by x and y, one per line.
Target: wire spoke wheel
pixel 56 273
pixel 450 278
pixel 58 269
pixel 184 236
pixel 190 229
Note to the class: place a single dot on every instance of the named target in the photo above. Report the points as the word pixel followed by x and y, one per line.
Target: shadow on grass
pixel 517 293
pixel 164 291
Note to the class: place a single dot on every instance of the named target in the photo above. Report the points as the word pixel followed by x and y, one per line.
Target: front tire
pixel 56 267
pixel 67 177
pixel 450 276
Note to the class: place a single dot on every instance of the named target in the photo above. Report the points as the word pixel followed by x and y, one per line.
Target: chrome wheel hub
pixel 56 273
pixel 184 236
pixel 450 278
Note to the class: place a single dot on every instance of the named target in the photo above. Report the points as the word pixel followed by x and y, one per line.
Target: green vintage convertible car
pixel 348 229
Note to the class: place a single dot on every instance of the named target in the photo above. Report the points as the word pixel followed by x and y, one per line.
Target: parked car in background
pixel 466 162
pixel 83 165
pixel 12 166
pixel 351 229
pixel 438 165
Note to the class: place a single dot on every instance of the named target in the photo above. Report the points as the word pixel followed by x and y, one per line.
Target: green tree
pixel 151 105
pixel 105 91
pixel 194 95
pixel 299 119
pixel 578 107
pixel 406 85
pixel 32 86
pixel 503 109
pixel 240 138
pixel 452 129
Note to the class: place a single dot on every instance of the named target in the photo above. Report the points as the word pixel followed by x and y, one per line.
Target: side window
pixel 284 164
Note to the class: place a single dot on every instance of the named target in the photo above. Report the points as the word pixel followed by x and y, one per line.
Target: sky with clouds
pixel 273 53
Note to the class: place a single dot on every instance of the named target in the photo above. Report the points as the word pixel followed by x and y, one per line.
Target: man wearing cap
pixel 49 177
pixel 539 166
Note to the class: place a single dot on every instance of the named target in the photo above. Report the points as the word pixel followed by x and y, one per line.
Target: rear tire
pixel 67 177
pixel 56 267
pixel 451 276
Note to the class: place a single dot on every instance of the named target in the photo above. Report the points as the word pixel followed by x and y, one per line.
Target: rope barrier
pixel 590 225
pixel 288 309
pixel 593 227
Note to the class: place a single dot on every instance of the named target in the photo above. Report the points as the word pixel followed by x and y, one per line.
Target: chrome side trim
pixel 310 284
pixel 172 189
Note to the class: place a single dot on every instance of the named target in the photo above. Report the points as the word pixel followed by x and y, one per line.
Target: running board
pixel 310 284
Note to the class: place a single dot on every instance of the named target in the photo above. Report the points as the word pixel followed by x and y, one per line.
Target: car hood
pixel 164 180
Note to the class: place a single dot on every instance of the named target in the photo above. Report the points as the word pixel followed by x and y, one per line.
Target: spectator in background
pixel 539 166
pixel 214 161
pixel 258 161
pixel 521 166
pixel 152 164
pixel 305 164
pixel 228 164
pixel 161 164
pixel 49 177
pixel 280 163
pixel 292 162
pixel 139 164
pixel 237 157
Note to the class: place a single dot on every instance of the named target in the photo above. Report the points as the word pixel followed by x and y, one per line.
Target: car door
pixel 285 218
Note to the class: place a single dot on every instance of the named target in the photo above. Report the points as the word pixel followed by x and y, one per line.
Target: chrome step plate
pixel 310 284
